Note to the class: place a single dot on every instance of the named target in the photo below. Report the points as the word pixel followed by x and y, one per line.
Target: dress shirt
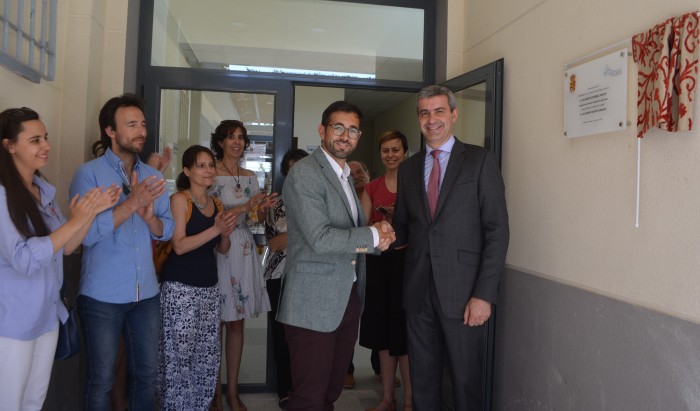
pixel 117 265
pixel 444 159
pixel 30 273
pixel 343 174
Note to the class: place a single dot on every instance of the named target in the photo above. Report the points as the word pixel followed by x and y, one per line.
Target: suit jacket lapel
pixel 453 167
pixel 419 169
pixel 333 179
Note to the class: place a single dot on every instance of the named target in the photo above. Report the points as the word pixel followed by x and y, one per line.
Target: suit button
pixel 353 262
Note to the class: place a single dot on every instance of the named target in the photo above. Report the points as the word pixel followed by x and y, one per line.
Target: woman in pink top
pixel 383 324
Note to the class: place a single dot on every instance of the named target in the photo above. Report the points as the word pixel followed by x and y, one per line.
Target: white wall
pixel 572 202
pixel 89 70
pixel 309 103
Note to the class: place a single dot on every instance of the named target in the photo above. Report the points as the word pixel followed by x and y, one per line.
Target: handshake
pixel 386 234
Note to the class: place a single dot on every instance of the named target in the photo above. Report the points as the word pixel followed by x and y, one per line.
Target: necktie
pixel 434 183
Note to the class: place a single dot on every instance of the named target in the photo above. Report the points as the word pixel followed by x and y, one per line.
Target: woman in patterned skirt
pixel 190 351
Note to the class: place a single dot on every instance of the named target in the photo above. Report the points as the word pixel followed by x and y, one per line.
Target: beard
pixel 337 152
pixel 127 146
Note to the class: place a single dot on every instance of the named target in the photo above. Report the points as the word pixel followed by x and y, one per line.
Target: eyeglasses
pixel 339 130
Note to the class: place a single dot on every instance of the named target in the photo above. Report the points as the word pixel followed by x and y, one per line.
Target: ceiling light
pixel 303 72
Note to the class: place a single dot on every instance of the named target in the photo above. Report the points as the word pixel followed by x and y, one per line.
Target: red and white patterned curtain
pixel 667 57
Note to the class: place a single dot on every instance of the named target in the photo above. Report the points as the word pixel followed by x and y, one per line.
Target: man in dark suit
pixel 451 211
pixel 324 277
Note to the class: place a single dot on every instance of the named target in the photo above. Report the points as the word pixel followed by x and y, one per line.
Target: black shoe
pixel 283 402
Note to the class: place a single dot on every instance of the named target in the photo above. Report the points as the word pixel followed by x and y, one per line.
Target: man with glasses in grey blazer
pixel 324 278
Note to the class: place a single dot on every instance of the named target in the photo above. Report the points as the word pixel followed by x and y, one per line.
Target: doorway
pixel 188 89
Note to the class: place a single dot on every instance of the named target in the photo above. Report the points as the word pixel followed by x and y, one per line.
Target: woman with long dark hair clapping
pixel 34 235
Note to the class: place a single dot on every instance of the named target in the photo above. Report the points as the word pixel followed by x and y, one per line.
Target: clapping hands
pixel 225 222
pixel 145 193
pixel 94 202
pixel 264 201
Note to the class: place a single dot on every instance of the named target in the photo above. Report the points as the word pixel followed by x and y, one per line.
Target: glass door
pixel 479 97
pixel 201 62
pixel 188 117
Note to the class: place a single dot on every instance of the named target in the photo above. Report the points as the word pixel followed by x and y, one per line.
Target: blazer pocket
pixel 462 185
pixel 315 267
pixel 469 258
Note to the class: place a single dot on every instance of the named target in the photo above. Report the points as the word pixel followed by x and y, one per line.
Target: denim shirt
pixel 31 275
pixel 117 264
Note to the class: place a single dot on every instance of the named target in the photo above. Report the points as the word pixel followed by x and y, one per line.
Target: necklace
pixel 237 177
pixel 197 203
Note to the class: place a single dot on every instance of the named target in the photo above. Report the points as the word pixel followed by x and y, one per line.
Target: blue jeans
pixel 102 325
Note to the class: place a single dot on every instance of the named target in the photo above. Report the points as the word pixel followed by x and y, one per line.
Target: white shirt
pixel 343 174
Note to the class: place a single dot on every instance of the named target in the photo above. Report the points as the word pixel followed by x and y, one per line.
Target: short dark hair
pixel 340 105
pixel 223 130
pixel 21 205
pixel 189 158
pixel 394 135
pixel 434 91
pixel 106 118
pixel 294 155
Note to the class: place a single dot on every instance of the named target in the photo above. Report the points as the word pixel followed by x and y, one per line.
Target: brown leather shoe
pixel 349 381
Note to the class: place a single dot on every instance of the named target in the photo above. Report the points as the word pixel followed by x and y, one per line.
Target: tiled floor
pixel 366 394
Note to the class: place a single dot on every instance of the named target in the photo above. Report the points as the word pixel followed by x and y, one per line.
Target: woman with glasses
pixel 190 348
pixel 383 323
pixel 34 235
pixel 243 293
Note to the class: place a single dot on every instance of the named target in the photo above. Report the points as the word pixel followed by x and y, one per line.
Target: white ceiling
pixel 317 34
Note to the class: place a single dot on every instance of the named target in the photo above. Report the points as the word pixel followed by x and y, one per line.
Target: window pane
pixel 188 117
pixel 325 37
pixel 28 36
pixel 471 122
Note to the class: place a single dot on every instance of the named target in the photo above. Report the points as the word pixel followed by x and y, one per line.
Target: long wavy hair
pixel 21 204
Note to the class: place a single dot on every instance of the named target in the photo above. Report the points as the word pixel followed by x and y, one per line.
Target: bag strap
pixel 219 205
pixel 189 205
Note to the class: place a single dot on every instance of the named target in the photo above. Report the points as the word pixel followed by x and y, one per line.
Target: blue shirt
pixel 444 158
pixel 31 275
pixel 117 265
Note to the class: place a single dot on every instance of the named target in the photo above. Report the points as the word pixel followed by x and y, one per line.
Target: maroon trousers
pixel 319 361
